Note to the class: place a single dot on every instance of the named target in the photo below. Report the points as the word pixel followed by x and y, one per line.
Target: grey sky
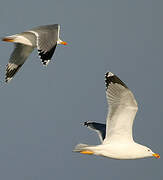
pixel 42 108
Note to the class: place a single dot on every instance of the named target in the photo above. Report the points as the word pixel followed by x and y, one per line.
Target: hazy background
pixel 42 109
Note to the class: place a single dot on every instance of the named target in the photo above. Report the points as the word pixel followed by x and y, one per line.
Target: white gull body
pixel 44 38
pixel 116 136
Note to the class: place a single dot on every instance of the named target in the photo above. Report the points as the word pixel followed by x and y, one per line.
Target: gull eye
pixel 148 150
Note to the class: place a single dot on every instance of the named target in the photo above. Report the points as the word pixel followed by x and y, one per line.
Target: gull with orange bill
pixel 44 38
pixel 116 136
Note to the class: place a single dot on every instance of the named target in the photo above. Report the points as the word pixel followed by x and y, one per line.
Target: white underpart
pixel 122 111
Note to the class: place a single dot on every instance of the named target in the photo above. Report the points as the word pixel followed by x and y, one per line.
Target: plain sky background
pixel 42 109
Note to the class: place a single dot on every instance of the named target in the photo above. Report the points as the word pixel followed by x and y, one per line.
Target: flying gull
pixel 44 38
pixel 116 135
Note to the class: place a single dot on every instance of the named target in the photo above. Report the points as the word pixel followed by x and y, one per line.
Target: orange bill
pixel 63 42
pixel 156 155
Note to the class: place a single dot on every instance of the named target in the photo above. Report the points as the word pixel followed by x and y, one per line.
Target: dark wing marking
pixel 47 37
pixel 98 127
pixel 113 79
pixel 46 56
pixel 11 72
pixel 17 59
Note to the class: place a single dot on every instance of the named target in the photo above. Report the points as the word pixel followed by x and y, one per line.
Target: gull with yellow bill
pixel 116 135
pixel 44 38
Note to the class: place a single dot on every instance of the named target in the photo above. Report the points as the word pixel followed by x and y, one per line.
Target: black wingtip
pixel 10 73
pixel 46 56
pixel 86 123
pixel 111 78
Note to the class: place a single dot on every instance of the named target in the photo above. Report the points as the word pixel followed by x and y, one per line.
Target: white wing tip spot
pixel 45 62
pixel 86 123
pixel 110 74
pixel 8 79
pixel 108 80
pixel 12 66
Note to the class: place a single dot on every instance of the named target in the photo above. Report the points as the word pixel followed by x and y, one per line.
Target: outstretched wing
pixel 98 127
pixel 17 59
pixel 122 110
pixel 47 37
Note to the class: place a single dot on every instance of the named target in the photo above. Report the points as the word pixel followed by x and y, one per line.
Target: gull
pixel 116 136
pixel 44 38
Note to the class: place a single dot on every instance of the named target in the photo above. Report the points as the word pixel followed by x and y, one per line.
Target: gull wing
pixel 122 110
pixel 47 37
pixel 98 127
pixel 17 59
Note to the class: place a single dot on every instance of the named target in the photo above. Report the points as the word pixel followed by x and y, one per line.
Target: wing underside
pixel 17 59
pixel 122 110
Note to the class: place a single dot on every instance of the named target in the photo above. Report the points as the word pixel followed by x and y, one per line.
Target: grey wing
pixel 17 59
pixel 122 110
pixel 98 127
pixel 47 37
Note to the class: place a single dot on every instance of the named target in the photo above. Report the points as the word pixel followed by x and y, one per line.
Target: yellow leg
pixel 87 152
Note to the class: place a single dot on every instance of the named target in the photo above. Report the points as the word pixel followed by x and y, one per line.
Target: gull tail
pixel 80 147
pixel 83 148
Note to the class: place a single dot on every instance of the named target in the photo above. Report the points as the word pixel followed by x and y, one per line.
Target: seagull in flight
pixel 116 136
pixel 44 38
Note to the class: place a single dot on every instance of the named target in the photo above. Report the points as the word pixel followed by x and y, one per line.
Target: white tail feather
pixel 81 147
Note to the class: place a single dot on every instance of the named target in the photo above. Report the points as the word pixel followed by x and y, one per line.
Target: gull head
pixel 147 152
pixel 61 42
